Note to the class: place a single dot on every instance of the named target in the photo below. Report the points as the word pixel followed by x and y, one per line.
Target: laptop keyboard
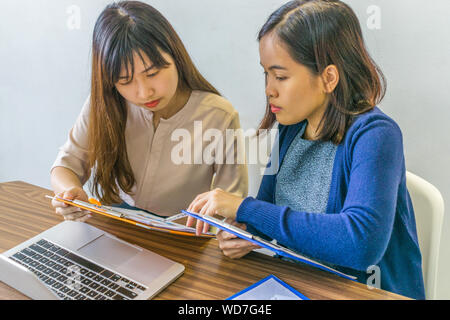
pixel 72 277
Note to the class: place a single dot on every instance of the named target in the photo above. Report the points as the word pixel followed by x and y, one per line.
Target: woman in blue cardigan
pixel 339 195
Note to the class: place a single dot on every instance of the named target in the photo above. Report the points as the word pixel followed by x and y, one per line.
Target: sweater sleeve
pixel 358 235
pixel 265 192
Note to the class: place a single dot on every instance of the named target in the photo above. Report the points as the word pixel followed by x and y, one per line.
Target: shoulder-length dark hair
pixel 319 33
pixel 122 29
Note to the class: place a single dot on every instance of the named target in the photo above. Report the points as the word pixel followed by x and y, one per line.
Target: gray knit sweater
pixel 303 183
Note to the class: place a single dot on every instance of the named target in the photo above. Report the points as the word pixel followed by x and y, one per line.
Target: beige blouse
pixel 171 165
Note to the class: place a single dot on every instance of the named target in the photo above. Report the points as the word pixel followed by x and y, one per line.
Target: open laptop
pixel 76 261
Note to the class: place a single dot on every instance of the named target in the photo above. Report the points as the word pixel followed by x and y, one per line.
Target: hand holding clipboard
pixel 135 217
pixel 211 203
pixel 278 249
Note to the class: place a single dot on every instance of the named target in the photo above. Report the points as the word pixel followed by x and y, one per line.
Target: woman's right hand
pixel 70 212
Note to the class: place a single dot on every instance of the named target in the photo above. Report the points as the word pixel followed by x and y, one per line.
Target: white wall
pixel 45 76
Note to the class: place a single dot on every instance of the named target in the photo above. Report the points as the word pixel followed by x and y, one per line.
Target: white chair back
pixel 429 213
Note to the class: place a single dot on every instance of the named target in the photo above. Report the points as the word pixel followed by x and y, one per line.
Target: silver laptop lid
pixel 142 273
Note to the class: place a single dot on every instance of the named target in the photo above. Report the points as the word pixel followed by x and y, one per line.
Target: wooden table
pixel 25 212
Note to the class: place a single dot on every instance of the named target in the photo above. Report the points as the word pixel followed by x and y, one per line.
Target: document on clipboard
pixel 136 217
pixel 278 249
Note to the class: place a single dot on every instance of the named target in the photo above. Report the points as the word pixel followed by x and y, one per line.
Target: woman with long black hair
pixel 144 88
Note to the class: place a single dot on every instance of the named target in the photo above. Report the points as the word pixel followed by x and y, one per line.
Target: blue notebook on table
pixel 280 250
pixel 270 288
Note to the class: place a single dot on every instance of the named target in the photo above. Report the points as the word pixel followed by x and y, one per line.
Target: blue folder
pixel 268 295
pixel 280 250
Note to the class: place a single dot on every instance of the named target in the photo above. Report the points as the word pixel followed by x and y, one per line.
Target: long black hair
pixel 319 33
pixel 124 28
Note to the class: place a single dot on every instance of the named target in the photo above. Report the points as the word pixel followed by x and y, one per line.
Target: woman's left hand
pixel 211 203
pixel 232 246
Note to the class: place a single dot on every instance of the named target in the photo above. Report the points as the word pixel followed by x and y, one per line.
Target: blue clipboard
pixel 259 283
pixel 280 250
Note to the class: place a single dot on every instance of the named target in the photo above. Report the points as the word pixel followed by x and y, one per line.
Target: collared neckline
pixel 192 102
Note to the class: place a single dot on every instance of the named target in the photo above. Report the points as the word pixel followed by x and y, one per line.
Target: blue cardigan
pixel 369 218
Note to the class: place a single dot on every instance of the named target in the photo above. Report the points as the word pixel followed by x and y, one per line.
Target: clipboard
pixel 269 288
pixel 278 249
pixel 136 217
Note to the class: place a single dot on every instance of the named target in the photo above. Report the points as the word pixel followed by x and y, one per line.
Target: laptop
pixel 76 261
